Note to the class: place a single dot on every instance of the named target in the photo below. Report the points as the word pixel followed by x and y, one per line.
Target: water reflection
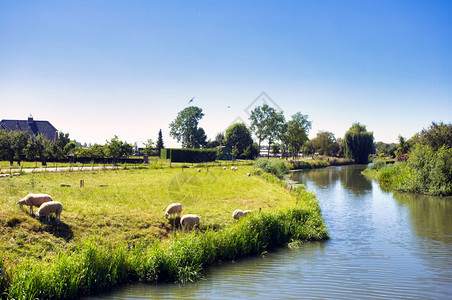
pixel 350 178
pixel 430 216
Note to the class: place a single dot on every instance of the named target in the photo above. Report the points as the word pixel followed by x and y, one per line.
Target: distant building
pixel 32 127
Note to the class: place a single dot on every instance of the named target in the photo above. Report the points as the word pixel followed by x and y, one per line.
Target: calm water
pixel 383 245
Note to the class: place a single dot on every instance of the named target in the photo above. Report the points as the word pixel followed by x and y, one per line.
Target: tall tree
pixel 185 127
pixel 238 137
pixel 296 132
pixel 200 138
pixel 160 145
pixel 266 123
pixel 358 143
pixel 40 148
pixel 63 140
pixel 325 143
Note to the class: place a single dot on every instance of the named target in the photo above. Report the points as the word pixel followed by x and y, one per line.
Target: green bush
pixel 189 155
pixel 427 171
pixel 274 166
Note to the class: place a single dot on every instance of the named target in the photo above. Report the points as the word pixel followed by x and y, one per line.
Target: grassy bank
pixel 113 229
pixel 426 171
pixel 319 162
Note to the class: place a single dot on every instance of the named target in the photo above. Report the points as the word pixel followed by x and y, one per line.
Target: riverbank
pixel 113 229
pixel 318 162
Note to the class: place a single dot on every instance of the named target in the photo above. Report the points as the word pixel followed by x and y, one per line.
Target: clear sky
pixel 99 68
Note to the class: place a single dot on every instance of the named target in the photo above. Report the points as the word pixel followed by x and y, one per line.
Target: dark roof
pixel 32 127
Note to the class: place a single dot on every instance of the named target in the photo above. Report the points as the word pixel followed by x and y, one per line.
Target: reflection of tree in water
pixel 352 180
pixel 431 216
pixel 349 176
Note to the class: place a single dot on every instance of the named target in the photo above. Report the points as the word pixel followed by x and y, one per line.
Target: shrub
pixel 274 166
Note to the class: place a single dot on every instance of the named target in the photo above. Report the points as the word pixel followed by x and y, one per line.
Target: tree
pixel 149 148
pixel 325 143
pixel 63 140
pixel 358 143
pixel 296 132
pixel 238 138
pixel 266 123
pixel 40 148
pixel 275 148
pixel 160 145
pixel 185 127
pixel 116 148
pixel 437 135
pixel 200 139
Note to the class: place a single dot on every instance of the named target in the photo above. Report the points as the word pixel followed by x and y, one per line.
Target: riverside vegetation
pixel 113 230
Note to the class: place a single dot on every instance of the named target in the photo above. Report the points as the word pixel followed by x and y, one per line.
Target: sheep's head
pixel 21 202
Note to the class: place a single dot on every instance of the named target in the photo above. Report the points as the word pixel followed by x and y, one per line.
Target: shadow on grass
pixel 59 230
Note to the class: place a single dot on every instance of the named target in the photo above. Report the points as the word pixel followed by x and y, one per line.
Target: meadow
pixel 117 219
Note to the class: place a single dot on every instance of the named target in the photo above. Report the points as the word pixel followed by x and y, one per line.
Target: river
pixel 383 245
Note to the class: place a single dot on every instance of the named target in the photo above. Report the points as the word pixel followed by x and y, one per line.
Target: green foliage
pixel 325 144
pixel 116 148
pixel 238 138
pixel 185 127
pixel 276 167
pixel 189 155
pixel 384 149
pixel 149 148
pixel 3 279
pixel 426 171
pixel 358 144
pixel 295 133
pixel 266 123
pixel 160 145
pixel 437 135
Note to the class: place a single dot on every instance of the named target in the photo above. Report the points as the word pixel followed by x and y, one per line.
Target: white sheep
pixel 248 174
pixel 172 209
pixel 34 200
pixel 237 214
pixel 246 212
pixel 189 220
pixel 224 168
pixel 199 170
pixel 234 168
pixel 48 208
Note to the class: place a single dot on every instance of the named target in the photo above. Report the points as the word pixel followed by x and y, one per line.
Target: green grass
pixel 118 232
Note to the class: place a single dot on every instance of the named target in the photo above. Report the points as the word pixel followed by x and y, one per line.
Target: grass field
pixel 126 208
pixel 125 205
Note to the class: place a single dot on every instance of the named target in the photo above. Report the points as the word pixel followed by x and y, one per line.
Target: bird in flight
pixel 191 100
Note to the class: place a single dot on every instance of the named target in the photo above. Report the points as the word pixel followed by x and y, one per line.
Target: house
pixel 32 127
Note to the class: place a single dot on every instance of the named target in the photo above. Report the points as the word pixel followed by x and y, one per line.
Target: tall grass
pixel 276 167
pixel 99 265
pixel 427 171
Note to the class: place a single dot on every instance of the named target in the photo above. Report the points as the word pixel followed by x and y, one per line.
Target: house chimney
pixel 30 119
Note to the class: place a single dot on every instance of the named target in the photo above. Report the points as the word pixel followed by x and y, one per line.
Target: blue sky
pixel 100 68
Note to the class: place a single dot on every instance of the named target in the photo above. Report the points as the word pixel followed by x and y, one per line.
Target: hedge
pixel 189 155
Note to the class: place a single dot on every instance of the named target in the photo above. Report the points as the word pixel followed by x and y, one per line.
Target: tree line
pixel 288 137
pixel 20 146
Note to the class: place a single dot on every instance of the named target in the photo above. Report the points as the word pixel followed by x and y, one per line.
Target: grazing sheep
pixel 246 212
pixel 234 168
pixel 237 214
pixel 199 170
pixel 172 209
pixel 248 174
pixel 49 208
pixel 34 200
pixel 190 220
pixel 224 168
